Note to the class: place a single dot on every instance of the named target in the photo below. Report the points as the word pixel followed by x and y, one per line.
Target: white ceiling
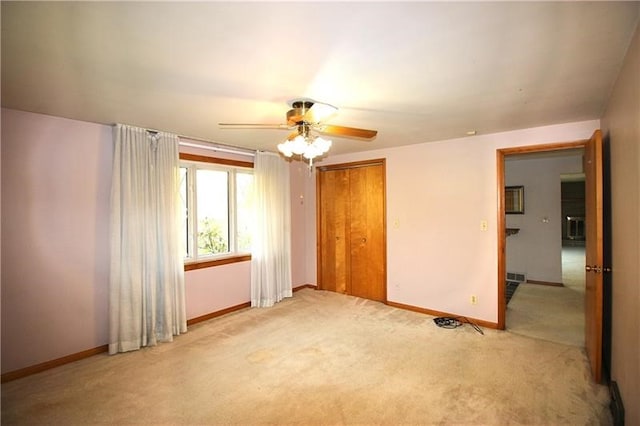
pixel 416 72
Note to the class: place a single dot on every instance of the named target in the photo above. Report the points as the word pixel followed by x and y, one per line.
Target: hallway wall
pixel 621 126
pixel 536 250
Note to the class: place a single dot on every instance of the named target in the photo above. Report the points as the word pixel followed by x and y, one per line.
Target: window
pixel 216 206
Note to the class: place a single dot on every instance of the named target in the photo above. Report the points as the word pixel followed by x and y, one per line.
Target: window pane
pixel 244 201
pixel 184 210
pixel 213 211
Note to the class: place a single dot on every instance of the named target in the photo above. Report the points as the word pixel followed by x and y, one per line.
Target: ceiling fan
pixel 307 115
pixel 312 114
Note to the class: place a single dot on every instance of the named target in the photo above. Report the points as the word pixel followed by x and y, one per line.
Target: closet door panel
pixel 367 224
pixel 334 221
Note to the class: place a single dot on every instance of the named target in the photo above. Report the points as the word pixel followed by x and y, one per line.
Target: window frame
pixel 228 164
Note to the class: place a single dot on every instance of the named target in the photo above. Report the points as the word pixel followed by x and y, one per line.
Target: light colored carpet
pixel 550 313
pixel 320 358
pixel 555 314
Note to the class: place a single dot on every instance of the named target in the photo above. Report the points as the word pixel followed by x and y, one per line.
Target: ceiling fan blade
pixel 319 112
pixel 350 132
pixel 253 126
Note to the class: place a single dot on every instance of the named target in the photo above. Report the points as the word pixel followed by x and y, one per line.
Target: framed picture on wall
pixel 514 199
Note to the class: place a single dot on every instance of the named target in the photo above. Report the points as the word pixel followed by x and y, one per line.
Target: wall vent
pixel 514 276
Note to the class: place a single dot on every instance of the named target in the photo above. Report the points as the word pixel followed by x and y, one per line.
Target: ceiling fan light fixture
pixel 285 149
pixel 309 147
pixel 322 144
pixel 298 145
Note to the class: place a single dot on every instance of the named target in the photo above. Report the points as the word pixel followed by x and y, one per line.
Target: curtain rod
pixel 206 144
pixel 213 146
pixel 210 145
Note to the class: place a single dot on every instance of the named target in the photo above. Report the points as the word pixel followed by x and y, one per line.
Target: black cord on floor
pixel 447 322
pixel 455 322
pixel 473 324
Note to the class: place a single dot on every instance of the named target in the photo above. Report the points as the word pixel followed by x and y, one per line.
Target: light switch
pixel 484 225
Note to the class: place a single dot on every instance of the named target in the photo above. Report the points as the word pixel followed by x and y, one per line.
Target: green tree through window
pixel 211 239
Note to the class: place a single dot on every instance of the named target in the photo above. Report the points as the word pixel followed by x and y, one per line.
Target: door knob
pixel 587 268
pixel 364 240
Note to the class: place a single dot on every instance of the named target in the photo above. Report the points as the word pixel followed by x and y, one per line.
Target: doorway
pixel 573 230
pixel 501 154
pixel 545 259
pixel 594 254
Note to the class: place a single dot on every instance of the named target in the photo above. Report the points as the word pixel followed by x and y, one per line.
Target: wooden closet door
pixel 351 232
pixel 334 232
pixel 367 251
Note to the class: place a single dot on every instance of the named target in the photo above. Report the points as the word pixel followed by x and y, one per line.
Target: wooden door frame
pixel 502 237
pixel 351 165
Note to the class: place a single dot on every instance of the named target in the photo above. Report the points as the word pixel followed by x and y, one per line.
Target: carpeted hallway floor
pixel 552 313
pixel 320 358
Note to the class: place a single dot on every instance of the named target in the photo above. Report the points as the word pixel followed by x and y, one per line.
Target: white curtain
pixel 147 303
pixel 271 237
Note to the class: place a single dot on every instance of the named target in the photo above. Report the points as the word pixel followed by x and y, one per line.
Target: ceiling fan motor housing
pixel 295 116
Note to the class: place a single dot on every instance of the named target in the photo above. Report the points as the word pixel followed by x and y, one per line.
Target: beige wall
pixel 437 195
pixel 300 203
pixel 621 124
pixel 56 183
pixel 536 251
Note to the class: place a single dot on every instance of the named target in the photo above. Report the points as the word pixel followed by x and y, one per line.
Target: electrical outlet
pixel 474 299
pixel 484 225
